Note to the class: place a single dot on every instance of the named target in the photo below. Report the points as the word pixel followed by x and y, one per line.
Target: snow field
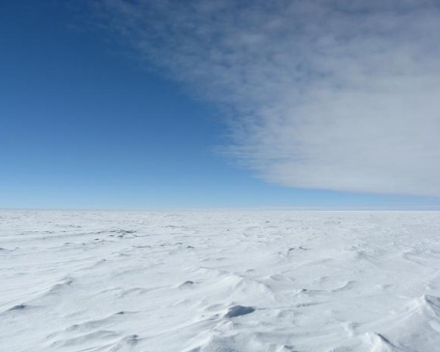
pixel 274 281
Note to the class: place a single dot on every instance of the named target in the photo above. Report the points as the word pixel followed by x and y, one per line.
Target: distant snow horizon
pixel 421 208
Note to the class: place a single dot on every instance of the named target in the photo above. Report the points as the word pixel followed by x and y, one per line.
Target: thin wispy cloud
pixel 338 95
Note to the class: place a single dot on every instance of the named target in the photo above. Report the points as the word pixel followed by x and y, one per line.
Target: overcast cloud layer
pixel 338 95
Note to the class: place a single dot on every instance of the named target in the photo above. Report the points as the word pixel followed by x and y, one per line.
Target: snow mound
pixel 416 328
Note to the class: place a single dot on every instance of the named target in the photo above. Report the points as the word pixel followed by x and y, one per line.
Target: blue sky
pixel 92 118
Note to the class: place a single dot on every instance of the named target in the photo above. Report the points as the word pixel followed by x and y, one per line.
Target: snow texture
pixel 219 281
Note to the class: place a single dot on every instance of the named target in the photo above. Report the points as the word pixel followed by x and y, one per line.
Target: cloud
pixel 339 94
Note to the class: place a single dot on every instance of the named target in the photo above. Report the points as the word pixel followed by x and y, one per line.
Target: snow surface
pixel 220 281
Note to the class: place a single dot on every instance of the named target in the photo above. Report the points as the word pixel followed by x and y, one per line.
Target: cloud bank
pixel 338 94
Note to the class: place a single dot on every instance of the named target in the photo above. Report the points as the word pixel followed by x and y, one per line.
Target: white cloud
pixel 339 95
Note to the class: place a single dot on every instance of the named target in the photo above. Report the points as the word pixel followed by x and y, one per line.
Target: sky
pixel 117 104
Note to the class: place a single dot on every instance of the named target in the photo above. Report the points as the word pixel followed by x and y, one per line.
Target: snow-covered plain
pixel 220 281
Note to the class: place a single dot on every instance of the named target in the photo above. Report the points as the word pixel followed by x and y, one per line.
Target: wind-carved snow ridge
pixel 219 281
pixel 415 328
pixel 237 311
